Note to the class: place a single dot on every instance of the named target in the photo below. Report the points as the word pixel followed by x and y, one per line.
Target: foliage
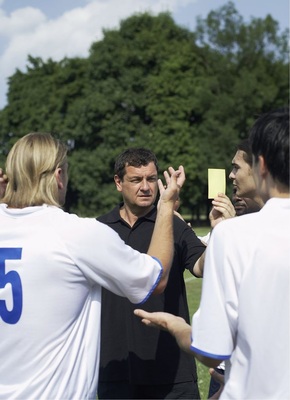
pixel 189 96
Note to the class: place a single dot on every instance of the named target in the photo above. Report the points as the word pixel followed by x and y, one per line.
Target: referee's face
pixel 139 186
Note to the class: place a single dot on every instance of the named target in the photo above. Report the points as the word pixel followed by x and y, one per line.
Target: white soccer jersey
pixel 244 310
pixel 52 267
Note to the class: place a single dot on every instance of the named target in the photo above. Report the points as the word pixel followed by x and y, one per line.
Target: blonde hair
pixel 30 168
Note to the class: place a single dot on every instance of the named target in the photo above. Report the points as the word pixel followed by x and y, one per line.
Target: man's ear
pixel 58 176
pixel 263 170
pixel 118 183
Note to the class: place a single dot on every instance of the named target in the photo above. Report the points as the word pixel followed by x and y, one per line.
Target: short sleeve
pixel 106 260
pixel 214 324
pixel 190 246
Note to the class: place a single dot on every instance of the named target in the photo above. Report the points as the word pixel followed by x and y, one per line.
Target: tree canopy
pixel 188 96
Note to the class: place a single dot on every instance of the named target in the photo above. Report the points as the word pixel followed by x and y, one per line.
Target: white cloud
pixel 20 21
pixel 28 31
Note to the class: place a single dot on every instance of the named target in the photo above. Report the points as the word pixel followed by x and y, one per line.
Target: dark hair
pixel 269 137
pixel 135 157
pixel 245 146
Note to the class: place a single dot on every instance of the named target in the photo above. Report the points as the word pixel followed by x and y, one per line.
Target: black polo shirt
pixel 130 350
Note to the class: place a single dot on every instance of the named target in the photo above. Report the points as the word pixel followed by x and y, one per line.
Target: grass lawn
pixel 193 288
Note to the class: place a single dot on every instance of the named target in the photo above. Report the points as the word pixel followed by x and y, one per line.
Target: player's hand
pixel 180 181
pixel 219 378
pixel 173 324
pixel 3 183
pixel 159 319
pixel 222 209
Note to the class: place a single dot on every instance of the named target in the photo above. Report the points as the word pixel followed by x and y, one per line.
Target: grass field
pixel 193 288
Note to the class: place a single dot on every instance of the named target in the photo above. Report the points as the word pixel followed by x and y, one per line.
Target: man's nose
pixel 144 184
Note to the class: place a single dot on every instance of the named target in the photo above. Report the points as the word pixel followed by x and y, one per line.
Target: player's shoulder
pixel 74 228
pixel 238 226
pixel 73 221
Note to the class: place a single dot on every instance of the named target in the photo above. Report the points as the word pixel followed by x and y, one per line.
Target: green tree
pixel 255 65
pixel 189 96
pixel 142 93
pixel 40 99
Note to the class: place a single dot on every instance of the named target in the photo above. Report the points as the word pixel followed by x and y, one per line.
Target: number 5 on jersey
pixel 11 277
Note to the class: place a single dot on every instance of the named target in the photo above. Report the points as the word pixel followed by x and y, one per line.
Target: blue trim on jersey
pixel 209 355
pixel 155 284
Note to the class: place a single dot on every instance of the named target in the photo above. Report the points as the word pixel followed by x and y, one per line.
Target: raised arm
pixel 162 244
pixel 222 209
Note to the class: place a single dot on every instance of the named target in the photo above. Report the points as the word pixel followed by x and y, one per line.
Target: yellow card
pixel 216 182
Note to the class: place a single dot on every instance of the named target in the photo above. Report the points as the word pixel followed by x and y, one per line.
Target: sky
pixel 66 28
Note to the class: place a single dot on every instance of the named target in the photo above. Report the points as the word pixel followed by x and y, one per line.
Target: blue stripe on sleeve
pixel 209 355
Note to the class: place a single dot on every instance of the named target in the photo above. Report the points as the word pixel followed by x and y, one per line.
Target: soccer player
pixel 244 315
pixel 52 267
